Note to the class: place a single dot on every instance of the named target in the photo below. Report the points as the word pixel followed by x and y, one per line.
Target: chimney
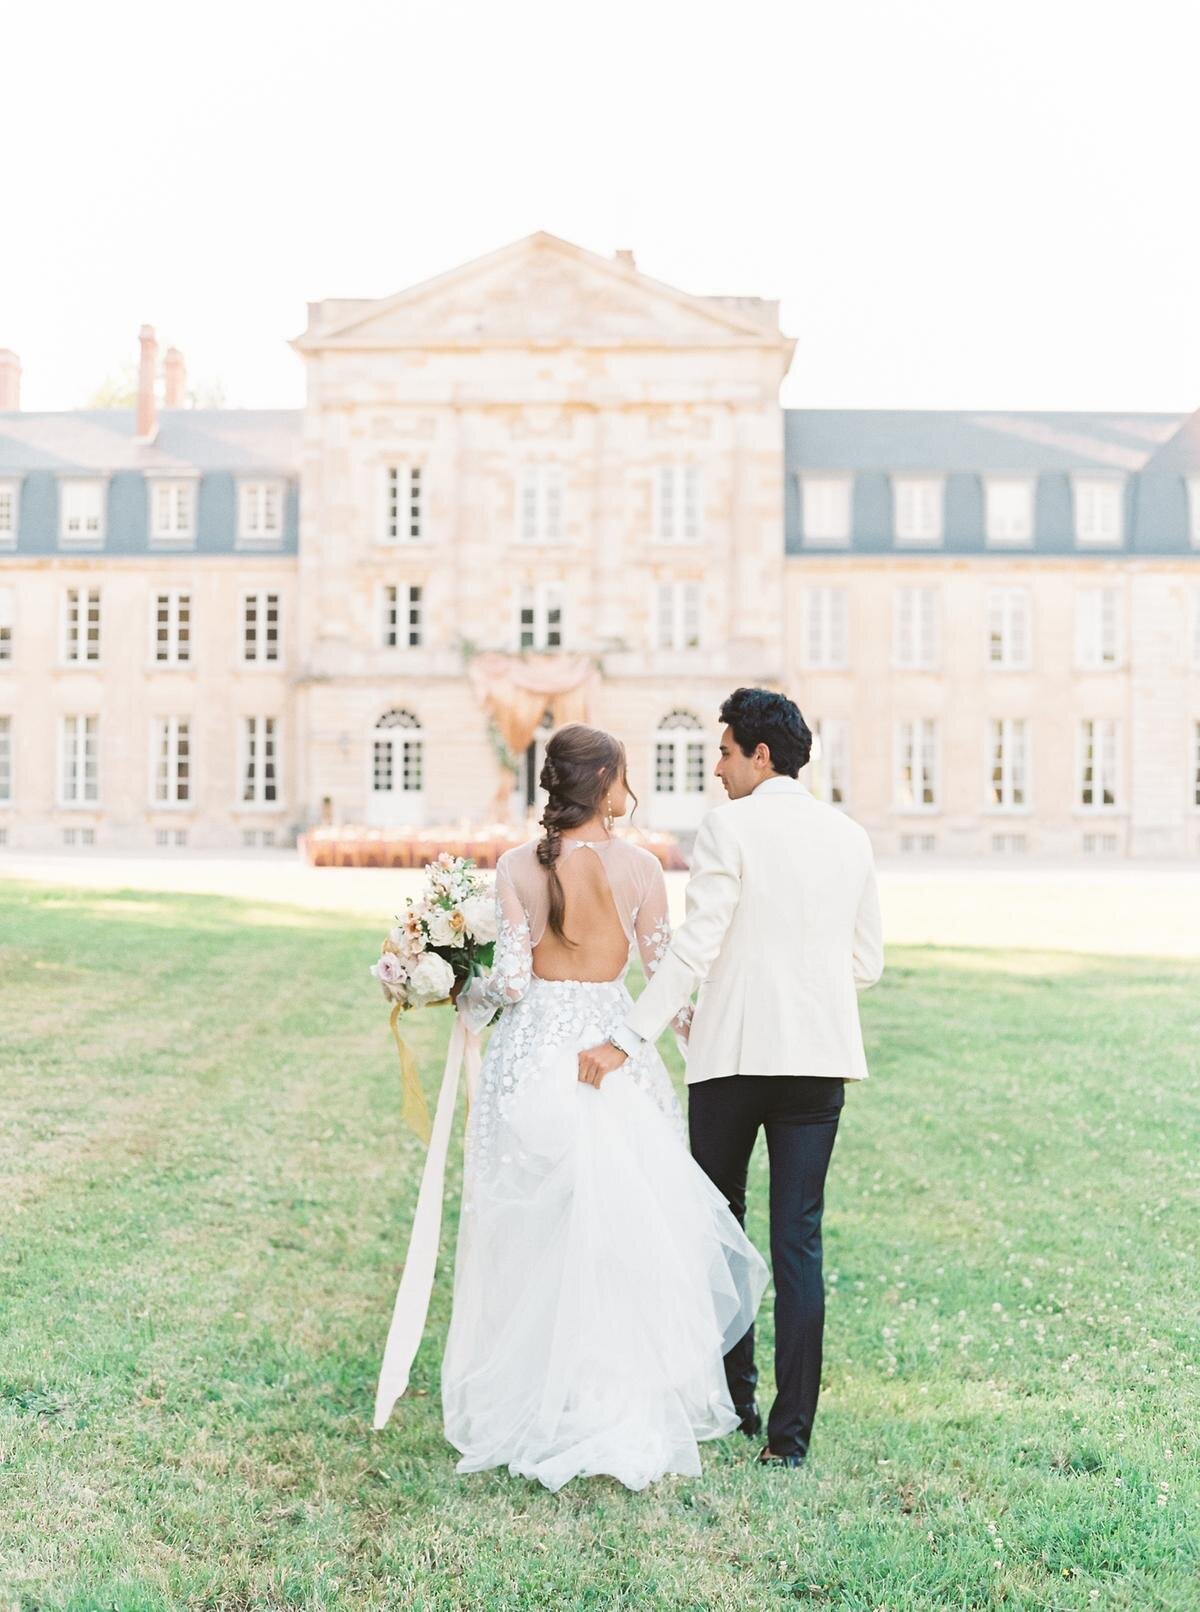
pixel 624 256
pixel 10 379
pixel 147 410
pixel 175 371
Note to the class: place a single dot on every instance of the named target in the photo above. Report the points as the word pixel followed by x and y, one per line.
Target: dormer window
pixel 81 513
pixel 1099 511
pixel 172 510
pixel 260 514
pixel 10 493
pixel 825 510
pixel 1193 489
pixel 918 510
pixel 1009 508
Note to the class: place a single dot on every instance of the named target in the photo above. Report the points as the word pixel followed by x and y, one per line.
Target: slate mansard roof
pixel 217 447
pixel 1155 455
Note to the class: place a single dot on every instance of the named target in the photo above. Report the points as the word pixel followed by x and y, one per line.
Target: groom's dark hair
pixel 757 716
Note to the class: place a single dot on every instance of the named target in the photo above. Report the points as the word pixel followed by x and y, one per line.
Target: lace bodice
pixel 639 892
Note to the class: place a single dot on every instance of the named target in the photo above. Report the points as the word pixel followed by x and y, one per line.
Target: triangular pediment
pixel 543 290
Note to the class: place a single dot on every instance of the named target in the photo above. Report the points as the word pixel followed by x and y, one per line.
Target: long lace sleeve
pixel 652 930
pixel 508 978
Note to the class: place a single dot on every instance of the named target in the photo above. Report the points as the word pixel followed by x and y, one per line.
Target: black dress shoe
pixel 767 1457
pixel 751 1419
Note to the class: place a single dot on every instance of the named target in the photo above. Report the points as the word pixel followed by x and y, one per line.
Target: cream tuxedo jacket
pixel 782 931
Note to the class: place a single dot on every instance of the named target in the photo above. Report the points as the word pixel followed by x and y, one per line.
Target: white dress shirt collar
pixel 780 784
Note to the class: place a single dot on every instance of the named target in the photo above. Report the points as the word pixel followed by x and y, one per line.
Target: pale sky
pixel 960 204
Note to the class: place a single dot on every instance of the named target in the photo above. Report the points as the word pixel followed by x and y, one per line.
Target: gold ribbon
pixel 415 1109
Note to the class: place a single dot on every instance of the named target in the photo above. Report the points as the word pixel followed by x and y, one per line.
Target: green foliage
pixel 206 1194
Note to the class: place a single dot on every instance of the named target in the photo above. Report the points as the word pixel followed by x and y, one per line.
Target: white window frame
pixel 82 527
pixel 8 790
pixel 172 510
pixel 916 752
pixel 84 731
pixel 86 598
pixel 918 511
pixel 259 731
pixel 916 627
pixel 1094 633
pixel 1194 779
pixel 8 624
pixel 261 598
pixel 541 505
pixel 678 615
pixel 402 491
pixel 399 736
pixel 679 735
pixel 10 502
pixel 1092 532
pixel 1195 656
pixel 678 494
pixel 172 740
pixel 1110 738
pixel 1008 612
pixel 831 737
pixel 1012 526
pixel 1193 510
pixel 826 509
pixel 825 645
pixel 178 600
pixel 401 615
pixel 541 600
pixel 1008 751
pixel 254 497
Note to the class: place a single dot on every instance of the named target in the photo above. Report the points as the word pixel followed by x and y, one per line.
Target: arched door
pixel 529 797
pixel 396 792
pixel 679 771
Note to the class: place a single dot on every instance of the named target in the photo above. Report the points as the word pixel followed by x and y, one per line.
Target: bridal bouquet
pixel 442 938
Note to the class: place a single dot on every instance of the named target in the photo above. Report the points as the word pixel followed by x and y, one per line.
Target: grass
pixel 206 1193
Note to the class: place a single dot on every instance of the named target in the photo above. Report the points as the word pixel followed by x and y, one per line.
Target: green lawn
pixel 206 1194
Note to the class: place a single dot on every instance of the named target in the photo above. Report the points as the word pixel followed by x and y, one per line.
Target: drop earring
pixel 608 813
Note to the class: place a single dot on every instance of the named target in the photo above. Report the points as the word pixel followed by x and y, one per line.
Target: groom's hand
pixel 599 1061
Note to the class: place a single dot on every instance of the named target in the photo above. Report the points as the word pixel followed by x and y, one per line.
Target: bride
pixel 600 1275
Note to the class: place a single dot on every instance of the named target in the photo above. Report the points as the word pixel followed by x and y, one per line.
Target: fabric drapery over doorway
pixel 516 691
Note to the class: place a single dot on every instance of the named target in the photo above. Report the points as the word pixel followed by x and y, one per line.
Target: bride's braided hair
pixel 582 764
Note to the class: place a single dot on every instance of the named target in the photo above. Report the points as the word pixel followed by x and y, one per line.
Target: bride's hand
pixel 599 1061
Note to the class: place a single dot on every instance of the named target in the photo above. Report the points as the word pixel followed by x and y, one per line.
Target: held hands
pixel 599 1061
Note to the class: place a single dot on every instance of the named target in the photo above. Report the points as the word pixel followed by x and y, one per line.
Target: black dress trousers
pixel 800 1115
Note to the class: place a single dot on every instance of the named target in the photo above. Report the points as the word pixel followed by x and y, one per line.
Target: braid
pixel 580 765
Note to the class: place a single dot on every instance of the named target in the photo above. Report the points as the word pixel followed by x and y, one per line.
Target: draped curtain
pixel 516 691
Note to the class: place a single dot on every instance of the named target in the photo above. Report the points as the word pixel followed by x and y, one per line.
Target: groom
pixel 782 928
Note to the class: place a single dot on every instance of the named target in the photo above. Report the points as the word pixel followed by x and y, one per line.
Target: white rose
pixel 431 978
pixel 442 928
pixel 479 915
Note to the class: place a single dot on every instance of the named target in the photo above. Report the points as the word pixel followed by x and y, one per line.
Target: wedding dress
pixel 600 1275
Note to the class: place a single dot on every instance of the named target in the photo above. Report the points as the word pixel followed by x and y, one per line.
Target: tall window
pixel 679 755
pixel 398 755
pixel 10 492
pixel 172 628
pixel 260 513
pixel 1196 763
pixel 1098 762
pixel 403 503
pixel 7 622
pixel 918 509
pixel 260 627
pixel 540 500
pixel 79 761
pixel 259 761
pixel 1008 750
pixel 1097 628
pixel 1009 510
pixel 1193 492
pixel 677 504
pixel 171 746
pixel 833 734
pixel 916 641
pixel 1099 511
pixel 540 616
pixel 677 615
pixel 826 628
pixel 402 622
pixel 825 505
pixel 916 766
pixel 172 511
pixel 6 761
pixel 81 626
pixel 1008 642
pixel 81 512
pixel 1196 629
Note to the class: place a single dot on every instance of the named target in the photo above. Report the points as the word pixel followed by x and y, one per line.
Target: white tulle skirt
pixel 600 1275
